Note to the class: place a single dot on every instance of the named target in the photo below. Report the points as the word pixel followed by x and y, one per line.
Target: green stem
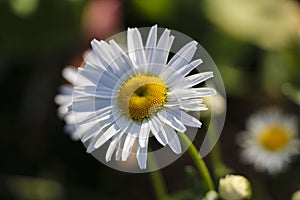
pixel 157 179
pixel 200 164
pixel 158 185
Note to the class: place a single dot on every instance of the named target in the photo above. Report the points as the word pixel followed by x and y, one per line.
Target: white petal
pixel 141 155
pixel 112 146
pixel 144 134
pixel 180 94
pixel 111 131
pixel 173 140
pixel 82 106
pixel 163 47
pixel 88 75
pixel 185 70
pixel 98 115
pixel 151 43
pixel 155 127
pixel 128 144
pixel 183 56
pixel 90 92
pixel 120 147
pixel 203 92
pixel 114 143
pixel 171 120
pixel 104 55
pixel 70 73
pixel 135 47
pixel 91 147
pixel 91 132
pixel 108 79
pixel 66 89
pixel 189 120
pixel 121 58
pixel 198 78
pixel 71 130
pixel 130 138
pixel 192 105
pixel 90 58
pixel 63 99
pixel 94 129
pixel 174 80
pixel 170 104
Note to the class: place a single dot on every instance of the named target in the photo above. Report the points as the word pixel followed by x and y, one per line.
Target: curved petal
pixel 171 120
pixel 111 131
pixel 151 43
pixel 155 127
pixel 135 47
pixel 183 56
pixel 198 78
pixel 130 138
pixel 173 140
pixel 141 155
pixel 144 134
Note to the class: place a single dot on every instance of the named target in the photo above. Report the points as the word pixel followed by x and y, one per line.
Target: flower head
pixel 270 140
pixel 122 95
pixel 234 187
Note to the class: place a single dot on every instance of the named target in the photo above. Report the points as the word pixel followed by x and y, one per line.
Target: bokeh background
pixel 254 43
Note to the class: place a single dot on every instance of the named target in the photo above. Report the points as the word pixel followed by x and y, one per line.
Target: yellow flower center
pixel 141 96
pixel 274 138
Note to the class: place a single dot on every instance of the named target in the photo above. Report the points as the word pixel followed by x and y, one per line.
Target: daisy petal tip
pixel 213 92
pixel 94 42
pixel 142 166
pixel 142 163
pixel 177 150
pixel 194 43
pixel 125 155
pixel 142 142
pixel 90 150
pixel 107 158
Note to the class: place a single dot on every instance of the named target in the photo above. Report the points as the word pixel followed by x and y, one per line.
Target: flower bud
pixel 234 187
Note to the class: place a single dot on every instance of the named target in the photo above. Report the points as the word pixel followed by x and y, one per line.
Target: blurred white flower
pixel 215 104
pixel 64 100
pixel 269 142
pixel 211 195
pixel 296 195
pixel 270 24
pixel 121 97
pixel 234 187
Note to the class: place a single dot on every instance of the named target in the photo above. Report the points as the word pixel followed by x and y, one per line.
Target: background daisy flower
pixel 124 95
pixel 64 100
pixel 270 140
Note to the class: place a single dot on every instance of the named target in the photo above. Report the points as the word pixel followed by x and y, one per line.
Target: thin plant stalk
pixel 157 179
pixel 200 164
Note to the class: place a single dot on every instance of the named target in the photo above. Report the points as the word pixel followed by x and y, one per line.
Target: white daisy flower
pixel 121 96
pixel 269 142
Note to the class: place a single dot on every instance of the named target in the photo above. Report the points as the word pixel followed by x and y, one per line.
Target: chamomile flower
pixel 269 142
pixel 123 95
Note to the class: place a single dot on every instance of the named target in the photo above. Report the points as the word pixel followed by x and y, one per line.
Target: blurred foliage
pixel 33 188
pixel 36 27
pixel 24 8
pixel 255 45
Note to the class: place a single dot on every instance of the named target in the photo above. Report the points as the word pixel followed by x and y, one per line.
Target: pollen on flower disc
pixel 141 96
